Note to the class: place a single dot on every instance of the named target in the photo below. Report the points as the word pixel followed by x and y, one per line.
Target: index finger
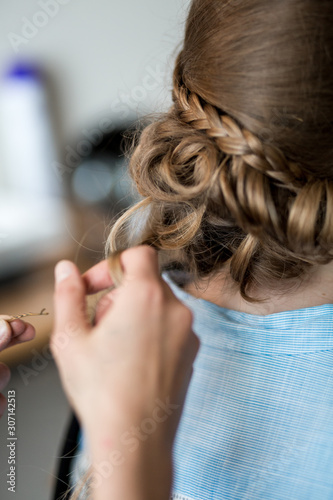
pixel 97 278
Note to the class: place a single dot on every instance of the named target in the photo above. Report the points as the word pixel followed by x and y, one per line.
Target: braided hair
pixel 216 188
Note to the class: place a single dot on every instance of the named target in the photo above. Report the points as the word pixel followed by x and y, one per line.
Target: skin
pixel 314 290
pixel 13 333
pixel 140 350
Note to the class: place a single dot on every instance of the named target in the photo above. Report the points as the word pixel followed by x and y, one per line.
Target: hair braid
pixel 255 169
pixel 214 190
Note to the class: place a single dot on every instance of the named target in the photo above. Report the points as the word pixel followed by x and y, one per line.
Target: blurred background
pixel 75 76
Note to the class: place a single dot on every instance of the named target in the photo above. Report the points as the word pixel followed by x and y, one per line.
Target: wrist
pixel 142 473
pixel 127 428
pixel 131 457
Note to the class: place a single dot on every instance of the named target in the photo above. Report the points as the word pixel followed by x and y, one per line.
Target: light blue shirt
pixel 258 416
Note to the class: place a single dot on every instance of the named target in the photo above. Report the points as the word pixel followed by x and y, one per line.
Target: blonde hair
pixel 239 170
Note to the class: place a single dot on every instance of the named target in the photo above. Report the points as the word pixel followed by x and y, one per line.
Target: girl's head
pixel 240 170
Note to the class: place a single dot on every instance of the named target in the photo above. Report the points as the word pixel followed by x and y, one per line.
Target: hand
pixel 12 333
pixel 140 351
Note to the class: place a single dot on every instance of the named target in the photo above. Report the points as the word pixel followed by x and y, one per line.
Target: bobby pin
pixel 24 315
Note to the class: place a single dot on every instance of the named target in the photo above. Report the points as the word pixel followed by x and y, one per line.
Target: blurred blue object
pixel 32 214
pixel 27 144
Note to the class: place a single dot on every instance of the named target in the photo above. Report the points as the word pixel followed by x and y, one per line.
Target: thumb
pixel 140 262
pixel 5 334
pixel 69 300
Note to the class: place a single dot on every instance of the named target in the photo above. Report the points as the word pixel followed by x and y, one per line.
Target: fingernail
pixel 62 270
pixel 3 328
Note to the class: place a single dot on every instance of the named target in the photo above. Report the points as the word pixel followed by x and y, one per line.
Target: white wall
pixel 98 52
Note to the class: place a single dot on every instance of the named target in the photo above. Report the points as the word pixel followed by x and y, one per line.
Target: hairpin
pixel 24 315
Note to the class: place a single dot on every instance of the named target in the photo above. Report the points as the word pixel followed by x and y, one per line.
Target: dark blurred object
pixel 99 187
pixel 101 178
pixel 68 449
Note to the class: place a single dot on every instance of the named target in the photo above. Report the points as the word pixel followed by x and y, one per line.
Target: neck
pixel 316 290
